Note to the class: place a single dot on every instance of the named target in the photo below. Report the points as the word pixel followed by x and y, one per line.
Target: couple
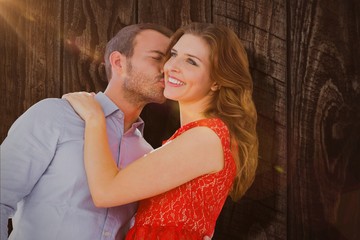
pixel 181 186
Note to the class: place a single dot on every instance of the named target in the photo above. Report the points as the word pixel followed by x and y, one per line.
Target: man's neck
pixel 130 110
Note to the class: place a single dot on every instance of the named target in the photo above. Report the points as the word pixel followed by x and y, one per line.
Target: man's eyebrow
pixel 158 52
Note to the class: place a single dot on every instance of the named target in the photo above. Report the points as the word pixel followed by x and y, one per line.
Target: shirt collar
pixel 109 108
pixel 139 124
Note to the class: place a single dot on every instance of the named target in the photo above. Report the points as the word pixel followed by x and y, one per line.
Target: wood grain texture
pixel 88 26
pixel 30 42
pixel 173 13
pixel 324 78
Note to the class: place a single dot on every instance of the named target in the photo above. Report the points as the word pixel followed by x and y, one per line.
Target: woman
pixel 183 184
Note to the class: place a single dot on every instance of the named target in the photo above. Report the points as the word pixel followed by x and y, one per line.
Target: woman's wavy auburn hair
pixel 232 102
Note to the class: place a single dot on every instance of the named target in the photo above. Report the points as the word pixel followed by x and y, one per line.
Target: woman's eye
pixel 172 54
pixel 192 62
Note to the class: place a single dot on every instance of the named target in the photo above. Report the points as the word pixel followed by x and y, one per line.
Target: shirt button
pixel 107 234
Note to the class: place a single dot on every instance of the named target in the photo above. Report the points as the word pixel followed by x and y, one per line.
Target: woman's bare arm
pixel 196 152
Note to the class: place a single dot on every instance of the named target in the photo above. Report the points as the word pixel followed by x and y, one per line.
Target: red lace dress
pixel 190 210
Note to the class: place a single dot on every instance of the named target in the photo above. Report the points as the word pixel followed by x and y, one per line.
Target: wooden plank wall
pixel 324 120
pixel 304 58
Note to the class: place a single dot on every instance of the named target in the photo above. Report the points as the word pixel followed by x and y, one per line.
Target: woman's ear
pixel 215 86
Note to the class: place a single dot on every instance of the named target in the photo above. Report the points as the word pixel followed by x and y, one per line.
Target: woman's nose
pixel 171 66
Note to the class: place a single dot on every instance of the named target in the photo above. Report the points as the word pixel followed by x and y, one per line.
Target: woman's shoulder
pixel 203 130
pixel 215 124
pixel 204 122
pixel 210 122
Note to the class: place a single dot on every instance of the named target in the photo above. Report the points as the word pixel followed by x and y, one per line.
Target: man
pixel 43 179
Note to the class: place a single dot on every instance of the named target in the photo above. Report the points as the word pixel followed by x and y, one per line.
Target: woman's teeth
pixel 175 81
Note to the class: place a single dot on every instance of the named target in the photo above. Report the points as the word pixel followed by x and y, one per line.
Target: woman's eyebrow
pixel 187 54
pixel 193 57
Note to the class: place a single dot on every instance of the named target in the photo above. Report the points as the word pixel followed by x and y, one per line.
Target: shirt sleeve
pixel 26 153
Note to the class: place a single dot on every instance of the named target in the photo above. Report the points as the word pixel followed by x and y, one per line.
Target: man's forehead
pixel 151 41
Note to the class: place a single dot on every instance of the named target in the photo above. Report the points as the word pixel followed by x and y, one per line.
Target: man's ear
pixel 117 60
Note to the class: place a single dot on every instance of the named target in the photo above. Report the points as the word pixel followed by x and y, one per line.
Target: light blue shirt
pixel 43 178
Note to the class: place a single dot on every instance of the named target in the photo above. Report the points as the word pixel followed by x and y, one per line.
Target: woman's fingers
pixel 84 104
